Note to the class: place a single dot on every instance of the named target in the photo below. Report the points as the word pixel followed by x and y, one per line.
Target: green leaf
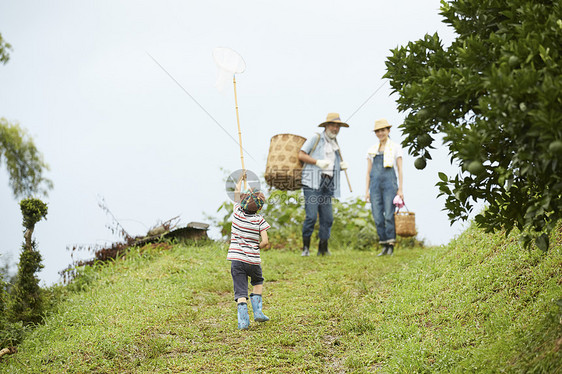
pixel 542 242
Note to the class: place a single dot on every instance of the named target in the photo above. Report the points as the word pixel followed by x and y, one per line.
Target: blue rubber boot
pixel 384 250
pixel 243 316
pixel 256 306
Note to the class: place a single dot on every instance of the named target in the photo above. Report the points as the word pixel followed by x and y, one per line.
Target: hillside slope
pixel 479 304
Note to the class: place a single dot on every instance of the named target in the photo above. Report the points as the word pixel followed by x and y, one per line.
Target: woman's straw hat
pixel 381 124
pixel 333 118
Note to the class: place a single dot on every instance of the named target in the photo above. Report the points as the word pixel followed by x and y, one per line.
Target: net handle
pixel 239 131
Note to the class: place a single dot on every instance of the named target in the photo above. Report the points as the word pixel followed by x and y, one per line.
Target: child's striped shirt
pixel 245 236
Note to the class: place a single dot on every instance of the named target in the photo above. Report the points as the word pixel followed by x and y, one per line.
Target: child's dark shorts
pixel 240 272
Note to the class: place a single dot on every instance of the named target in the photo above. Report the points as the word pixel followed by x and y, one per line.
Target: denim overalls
pixel 383 187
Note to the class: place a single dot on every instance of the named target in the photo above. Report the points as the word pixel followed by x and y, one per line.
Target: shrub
pixel 33 210
pixel 10 333
pixel 353 227
pixel 27 299
pixel 3 296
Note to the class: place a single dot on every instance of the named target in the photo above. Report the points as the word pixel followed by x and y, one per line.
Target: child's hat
pixel 252 201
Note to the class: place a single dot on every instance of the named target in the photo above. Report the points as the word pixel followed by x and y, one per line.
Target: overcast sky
pixel 110 122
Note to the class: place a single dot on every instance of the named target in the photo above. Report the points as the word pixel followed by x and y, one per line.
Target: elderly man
pixel 321 181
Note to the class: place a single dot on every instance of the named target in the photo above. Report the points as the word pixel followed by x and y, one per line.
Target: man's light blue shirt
pixel 311 174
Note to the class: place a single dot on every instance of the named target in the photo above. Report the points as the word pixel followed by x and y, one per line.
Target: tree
pixel 26 300
pixel 4 48
pixel 495 96
pixel 24 162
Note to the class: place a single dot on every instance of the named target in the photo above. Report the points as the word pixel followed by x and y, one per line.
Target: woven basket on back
pixel 405 223
pixel 284 170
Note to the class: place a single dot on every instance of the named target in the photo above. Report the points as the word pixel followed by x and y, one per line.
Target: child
pixel 244 252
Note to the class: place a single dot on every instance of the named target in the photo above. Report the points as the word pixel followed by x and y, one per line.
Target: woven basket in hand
pixel 405 223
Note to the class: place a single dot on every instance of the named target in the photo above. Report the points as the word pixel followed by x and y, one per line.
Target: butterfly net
pixel 229 62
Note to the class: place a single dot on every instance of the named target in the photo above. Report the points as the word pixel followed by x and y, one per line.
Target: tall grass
pixel 479 304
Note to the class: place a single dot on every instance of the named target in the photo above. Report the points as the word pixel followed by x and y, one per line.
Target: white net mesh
pixel 229 62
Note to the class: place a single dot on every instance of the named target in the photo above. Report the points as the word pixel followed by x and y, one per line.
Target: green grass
pixel 481 304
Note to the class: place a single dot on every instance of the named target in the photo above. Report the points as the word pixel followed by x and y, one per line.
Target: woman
pixel 384 161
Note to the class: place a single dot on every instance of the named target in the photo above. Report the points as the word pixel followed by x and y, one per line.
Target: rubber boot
pixel 326 250
pixel 384 250
pixel 256 306
pixel 323 248
pixel 390 251
pixel 243 316
pixel 305 246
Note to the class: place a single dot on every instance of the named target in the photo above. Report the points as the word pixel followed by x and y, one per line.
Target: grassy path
pixel 422 310
pixel 173 311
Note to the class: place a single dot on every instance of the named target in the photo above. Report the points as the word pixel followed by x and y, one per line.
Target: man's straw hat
pixel 333 118
pixel 382 124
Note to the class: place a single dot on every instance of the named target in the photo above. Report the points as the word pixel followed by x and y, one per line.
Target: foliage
pixel 24 162
pixel 3 301
pixel 33 210
pixel 477 305
pixel 11 333
pixel 6 267
pixel 4 48
pixel 26 299
pixel 494 94
pixel 224 221
pixel 353 226
pixel 284 212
